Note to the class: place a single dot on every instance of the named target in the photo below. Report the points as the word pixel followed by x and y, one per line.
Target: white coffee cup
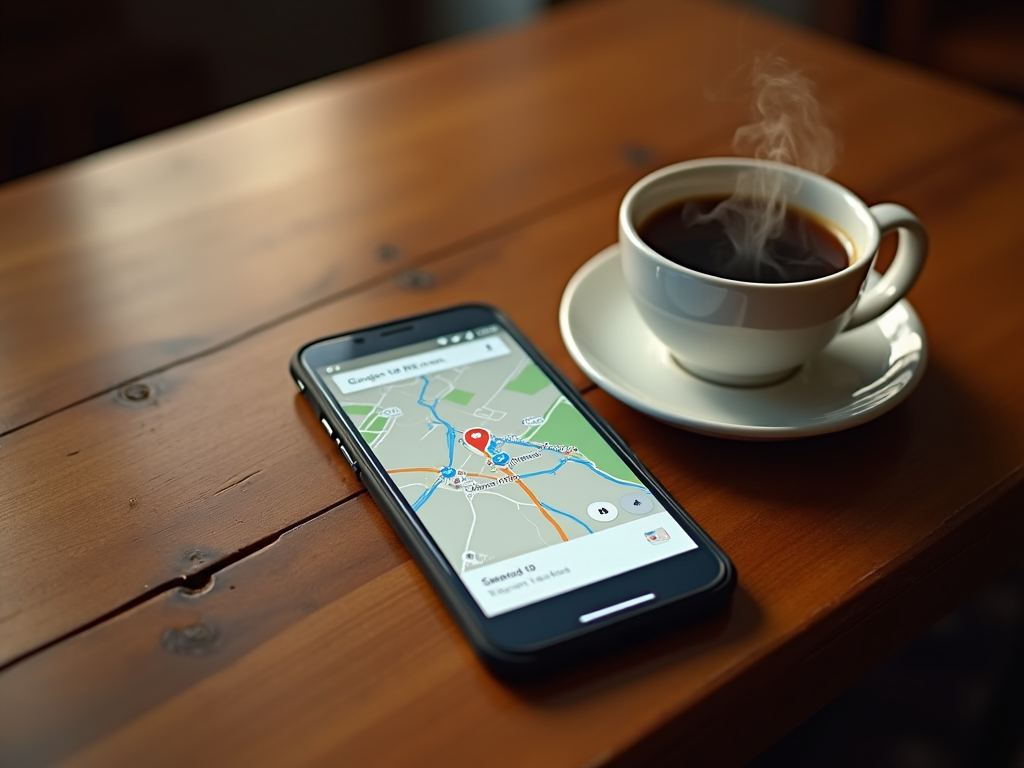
pixel 746 333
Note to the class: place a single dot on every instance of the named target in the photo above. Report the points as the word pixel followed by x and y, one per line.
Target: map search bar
pixel 413 366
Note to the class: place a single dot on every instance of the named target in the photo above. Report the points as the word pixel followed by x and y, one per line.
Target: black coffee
pixel 683 233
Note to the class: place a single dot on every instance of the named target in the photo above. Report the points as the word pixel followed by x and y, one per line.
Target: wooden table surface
pixel 187 569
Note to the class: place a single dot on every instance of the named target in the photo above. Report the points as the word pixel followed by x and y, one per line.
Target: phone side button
pixel 327 427
pixel 348 457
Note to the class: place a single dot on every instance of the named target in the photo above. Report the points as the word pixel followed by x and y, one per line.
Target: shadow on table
pixel 952 698
pixel 942 446
pixel 648 656
pixel 896 479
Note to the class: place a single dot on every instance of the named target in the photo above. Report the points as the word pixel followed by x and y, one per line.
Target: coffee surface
pixel 804 250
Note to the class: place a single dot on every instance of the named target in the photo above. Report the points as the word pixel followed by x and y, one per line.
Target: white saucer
pixel 862 374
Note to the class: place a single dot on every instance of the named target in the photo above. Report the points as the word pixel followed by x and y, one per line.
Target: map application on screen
pixel 520 493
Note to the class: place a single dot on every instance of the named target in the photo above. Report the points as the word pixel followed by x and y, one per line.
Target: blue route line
pixel 605 475
pixel 574 460
pixel 588 465
pixel 433 410
pixel 538 446
pixel 425 496
pixel 451 433
pixel 551 471
pixel 549 508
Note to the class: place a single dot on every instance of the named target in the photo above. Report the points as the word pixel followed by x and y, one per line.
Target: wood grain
pixel 224 453
pixel 165 477
pixel 218 457
pixel 122 264
pixel 279 632
pixel 182 529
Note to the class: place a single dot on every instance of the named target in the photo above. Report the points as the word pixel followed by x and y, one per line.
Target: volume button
pixel 348 457
pixel 327 427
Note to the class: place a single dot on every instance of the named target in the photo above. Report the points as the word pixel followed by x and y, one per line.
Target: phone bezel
pixel 531 630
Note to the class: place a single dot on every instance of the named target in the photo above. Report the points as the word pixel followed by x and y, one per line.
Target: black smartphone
pixel 542 532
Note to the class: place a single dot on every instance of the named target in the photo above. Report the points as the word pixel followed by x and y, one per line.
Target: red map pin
pixel 477 438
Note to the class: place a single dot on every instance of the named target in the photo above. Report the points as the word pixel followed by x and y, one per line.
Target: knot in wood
pixel 136 392
pixel 637 154
pixel 417 280
pixel 195 640
pixel 194 557
pixel 388 252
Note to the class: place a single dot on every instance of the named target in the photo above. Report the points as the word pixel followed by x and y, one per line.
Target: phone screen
pixel 522 495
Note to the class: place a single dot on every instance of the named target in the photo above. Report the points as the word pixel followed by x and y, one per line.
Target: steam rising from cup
pixel 788 127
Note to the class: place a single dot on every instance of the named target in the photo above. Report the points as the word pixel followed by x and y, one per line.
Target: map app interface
pixel 520 493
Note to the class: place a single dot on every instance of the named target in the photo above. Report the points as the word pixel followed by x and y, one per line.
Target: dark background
pixel 78 76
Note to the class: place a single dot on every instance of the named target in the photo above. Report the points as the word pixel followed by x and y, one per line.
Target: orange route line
pixel 533 498
pixel 516 480
pixel 434 470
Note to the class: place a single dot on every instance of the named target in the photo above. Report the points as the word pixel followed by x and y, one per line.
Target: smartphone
pixel 542 532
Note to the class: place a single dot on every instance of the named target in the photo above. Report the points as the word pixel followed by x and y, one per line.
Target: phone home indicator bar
pixel 586 618
pixel 420 364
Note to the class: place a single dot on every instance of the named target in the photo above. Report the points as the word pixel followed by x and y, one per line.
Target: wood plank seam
pixel 981 504
pixel 199 580
pixel 989 131
pixel 222 563
pixel 196 583
pixel 666 749
pixel 471 241
pixel 474 240
pixel 993 134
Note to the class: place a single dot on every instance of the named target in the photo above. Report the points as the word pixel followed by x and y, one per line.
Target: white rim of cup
pixel 860 207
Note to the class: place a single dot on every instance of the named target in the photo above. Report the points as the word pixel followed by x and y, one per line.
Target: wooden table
pixel 187 569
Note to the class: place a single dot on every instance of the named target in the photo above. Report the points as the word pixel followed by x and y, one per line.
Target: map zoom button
pixel 637 503
pixel 603 511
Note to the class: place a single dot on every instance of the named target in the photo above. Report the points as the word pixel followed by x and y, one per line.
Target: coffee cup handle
pixel 911 251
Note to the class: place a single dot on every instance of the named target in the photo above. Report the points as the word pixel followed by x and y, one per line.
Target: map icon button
pixel 603 511
pixel 637 503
